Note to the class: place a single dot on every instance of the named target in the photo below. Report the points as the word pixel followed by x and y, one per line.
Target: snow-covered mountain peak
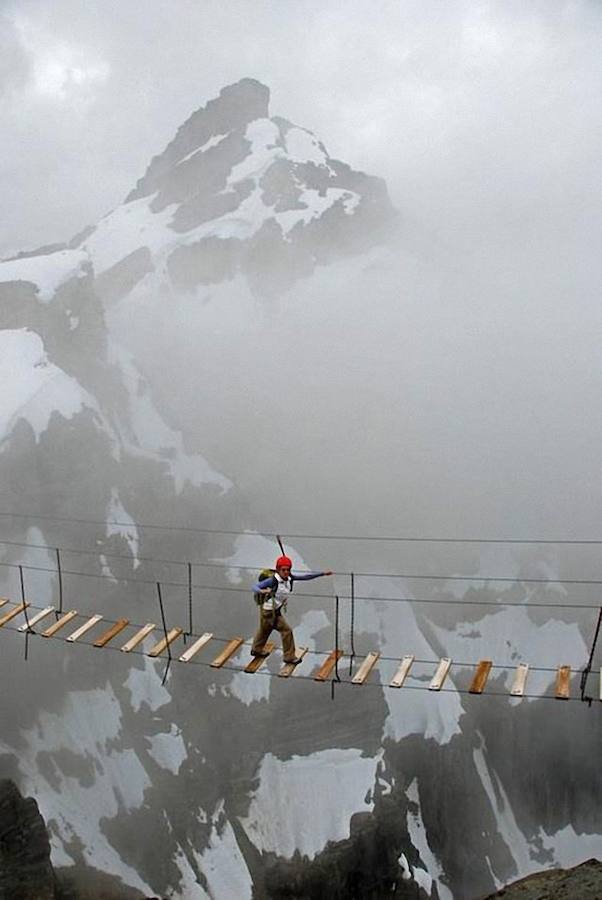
pixel 236 106
pixel 236 192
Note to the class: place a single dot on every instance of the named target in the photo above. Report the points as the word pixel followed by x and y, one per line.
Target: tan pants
pixel 268 621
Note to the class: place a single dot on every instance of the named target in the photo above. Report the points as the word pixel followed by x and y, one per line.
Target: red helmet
pixel 283 561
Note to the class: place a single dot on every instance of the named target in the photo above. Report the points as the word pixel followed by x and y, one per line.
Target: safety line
pixel 299 536
pixel 115 579
pixel 479 578
pixel 411 576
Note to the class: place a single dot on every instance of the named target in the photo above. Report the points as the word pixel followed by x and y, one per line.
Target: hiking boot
pixel 294 661
pixel 262 654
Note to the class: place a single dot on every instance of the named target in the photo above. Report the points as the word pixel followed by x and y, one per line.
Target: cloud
pixel 64 72
pixel 458 105
pixel 15 62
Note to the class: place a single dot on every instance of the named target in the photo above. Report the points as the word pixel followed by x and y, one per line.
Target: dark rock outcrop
pixel 25 869
pixel 26 872
pixel 583 882
pixel 237 105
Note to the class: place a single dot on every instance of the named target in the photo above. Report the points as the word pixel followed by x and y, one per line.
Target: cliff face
pixel 25 869
pixel 26 872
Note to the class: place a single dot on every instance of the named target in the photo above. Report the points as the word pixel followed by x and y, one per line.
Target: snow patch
pixel 264 137
pixel 417 832
pixel 223 864
pixel 34 388
pixel 212 142
pixel 303 802
pixel 168 750
pixel 145 685
pixel 316 204
pixel 303 147
pixel 188 886
pixel 504 818
pixel 105 569
pixel 47 273
pixel 570 848
pixel 74 810
pixel 117 514
pixel 126 229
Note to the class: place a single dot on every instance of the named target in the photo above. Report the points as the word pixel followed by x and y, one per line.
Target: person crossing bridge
pixel 273 593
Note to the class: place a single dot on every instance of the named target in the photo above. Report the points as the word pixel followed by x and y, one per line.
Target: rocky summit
pixel 582 882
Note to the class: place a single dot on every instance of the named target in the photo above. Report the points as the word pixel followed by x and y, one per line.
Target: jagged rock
pixel 25 869
pixel 87 883
pixel 237 105
pixel 583 882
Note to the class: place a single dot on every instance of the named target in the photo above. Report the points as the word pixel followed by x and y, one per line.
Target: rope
pixel 189 598
pixel 480 579
pixel 443 601
pixel 318 537
pixel 588 667
pixel 25 613
pixel 60 574
pixel 165 633
pixel 352 626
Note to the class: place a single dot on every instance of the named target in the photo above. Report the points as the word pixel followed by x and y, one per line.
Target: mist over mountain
pixel 255 340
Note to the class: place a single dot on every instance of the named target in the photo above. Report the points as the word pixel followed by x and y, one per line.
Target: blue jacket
pixel 272 581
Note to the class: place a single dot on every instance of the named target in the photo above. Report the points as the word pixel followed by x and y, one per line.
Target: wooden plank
pixel 84 628
pixel 520 680
pixel 13 613
pixel 328 665
pixel 402 672
pixel 111 632
pixel 288 669
pixel 228 651
pixel 3 601
pixel 64 620
pixel 164 643
pixel 138 637
pixel 480 676
pixel 198 645
pixel 365 668
pixel 441 674
pixel 258 661
pixel 37 618
pixel 563 676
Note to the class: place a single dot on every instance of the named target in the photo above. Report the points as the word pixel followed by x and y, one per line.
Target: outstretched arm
pixel 309 576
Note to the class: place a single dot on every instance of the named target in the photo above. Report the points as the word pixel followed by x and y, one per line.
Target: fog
pixel 446 385
pixel 478 114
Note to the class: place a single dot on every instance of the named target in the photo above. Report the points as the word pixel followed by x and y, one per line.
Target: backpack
pixel 261 598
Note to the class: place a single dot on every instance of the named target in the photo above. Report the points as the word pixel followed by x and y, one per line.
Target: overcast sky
pixel 461 106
